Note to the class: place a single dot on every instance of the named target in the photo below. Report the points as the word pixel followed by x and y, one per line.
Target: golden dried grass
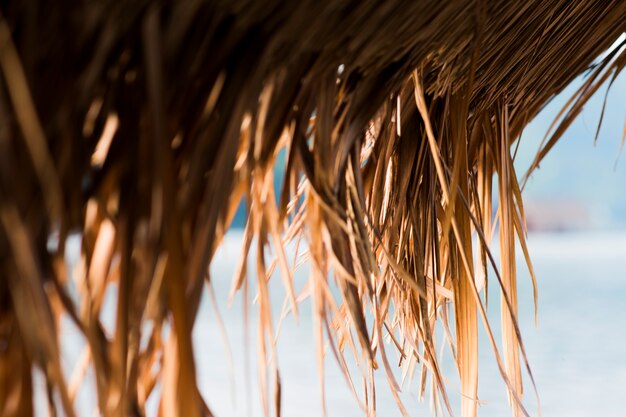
pixel 142 126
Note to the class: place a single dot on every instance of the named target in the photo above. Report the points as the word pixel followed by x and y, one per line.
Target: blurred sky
pixel 575 169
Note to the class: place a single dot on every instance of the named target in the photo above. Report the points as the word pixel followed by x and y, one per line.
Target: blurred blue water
pixel 576 353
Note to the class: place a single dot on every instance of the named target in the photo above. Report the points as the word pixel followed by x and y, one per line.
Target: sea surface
pixel 577 351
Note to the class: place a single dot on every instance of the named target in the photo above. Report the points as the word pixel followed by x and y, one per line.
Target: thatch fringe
pixel 142 125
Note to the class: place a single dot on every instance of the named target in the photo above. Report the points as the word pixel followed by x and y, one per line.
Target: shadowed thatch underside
pixel 142 125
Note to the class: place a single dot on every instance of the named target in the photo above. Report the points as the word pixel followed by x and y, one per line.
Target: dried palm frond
pixel 141 126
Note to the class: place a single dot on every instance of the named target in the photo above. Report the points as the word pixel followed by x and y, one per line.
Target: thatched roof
pixel 141 125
